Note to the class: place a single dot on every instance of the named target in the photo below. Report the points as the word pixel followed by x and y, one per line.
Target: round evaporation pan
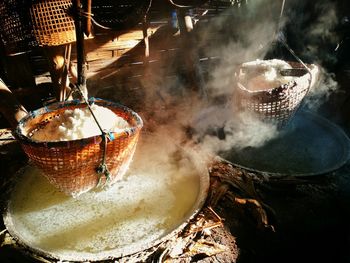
pixel 309 145
pixel 150 204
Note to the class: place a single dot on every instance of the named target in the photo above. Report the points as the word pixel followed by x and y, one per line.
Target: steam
pixel 312 33
pixel 324 87
pixel 240 34
pixel 222 126
pixel 237 131
pixel 313 37
pixel 244 33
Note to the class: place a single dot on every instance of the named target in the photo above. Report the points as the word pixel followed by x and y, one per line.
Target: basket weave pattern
pixel 276 105
pixel 71 165
pixel 16 29
pixel 52 24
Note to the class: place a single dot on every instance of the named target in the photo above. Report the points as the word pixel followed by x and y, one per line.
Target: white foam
pixel 147 203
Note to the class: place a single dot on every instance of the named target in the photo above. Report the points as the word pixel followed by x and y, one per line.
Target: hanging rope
pixel 281 38
pixel 102 169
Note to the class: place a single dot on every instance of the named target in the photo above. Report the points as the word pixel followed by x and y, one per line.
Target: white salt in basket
pixel 278 104
pixel 80 165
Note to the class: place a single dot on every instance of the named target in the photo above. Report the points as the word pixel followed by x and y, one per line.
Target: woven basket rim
pixel 18 132
pixel 291 84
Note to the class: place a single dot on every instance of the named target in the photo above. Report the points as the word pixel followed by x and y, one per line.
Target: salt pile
pixel 79 123
pixel 263 74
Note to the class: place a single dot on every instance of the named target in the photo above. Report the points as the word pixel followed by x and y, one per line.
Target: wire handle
pixel 102 169
pixel 282 39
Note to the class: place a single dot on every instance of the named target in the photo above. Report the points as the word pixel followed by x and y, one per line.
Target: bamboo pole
pixel 56 61
pixel 145 25
pixel 88 18
pixel 64 89
pixel 190 56
pixel 81 67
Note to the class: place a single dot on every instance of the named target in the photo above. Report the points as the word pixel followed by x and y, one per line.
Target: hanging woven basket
pixel 72 166
pixel 53 25
pixel 16 29
pixel 277 105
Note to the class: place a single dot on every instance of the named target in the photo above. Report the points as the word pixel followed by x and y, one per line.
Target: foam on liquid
pixel 146 204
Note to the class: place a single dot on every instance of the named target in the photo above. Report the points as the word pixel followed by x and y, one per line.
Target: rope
pixel 281 39
pixel 102 169
pixel 89 15
pixel 180 6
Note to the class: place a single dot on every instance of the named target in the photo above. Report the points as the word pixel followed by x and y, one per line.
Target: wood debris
pixel 240 187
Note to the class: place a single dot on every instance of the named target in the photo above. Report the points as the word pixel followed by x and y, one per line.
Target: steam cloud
pixel 313 37
pixel 321 92
pixel 252 34
pixel 238 35
pixel 228 130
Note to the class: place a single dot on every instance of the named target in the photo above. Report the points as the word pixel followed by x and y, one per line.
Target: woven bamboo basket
pixel 71 166
pixel 279 104
pixel 16 29
pixel 119 14
pixel 52 23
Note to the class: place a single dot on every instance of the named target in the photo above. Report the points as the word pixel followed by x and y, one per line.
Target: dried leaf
pixel 6 239
pixel 208 248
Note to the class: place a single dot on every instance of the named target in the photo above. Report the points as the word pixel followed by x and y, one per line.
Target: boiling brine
pixel 149 202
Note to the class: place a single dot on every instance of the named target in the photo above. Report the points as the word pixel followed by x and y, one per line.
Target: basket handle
pixel 102 169
pixel 81 84
pixel 281 38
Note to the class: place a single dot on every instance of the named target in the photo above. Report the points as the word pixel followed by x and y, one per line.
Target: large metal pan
pixel 309 145
pixel 32 198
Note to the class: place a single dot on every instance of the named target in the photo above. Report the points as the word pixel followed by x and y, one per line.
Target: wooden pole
pixel 189 52
pixel 88 18
pixel 65 81
pixel 81 67
pixel 145 25
pixel 55 57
